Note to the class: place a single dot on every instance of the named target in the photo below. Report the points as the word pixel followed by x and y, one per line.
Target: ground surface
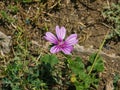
pixel 77 16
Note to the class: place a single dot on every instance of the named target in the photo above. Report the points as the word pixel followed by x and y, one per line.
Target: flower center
pixel 61 43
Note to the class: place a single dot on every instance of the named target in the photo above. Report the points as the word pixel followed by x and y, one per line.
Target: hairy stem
pixel 96 57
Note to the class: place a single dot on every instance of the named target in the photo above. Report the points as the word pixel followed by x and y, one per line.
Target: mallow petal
pixel 51 38
pixel 60 32
pixel 67 50
pixel 71 40
pixel 55 49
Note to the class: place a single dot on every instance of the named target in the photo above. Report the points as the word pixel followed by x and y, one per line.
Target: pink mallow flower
pixel 59 44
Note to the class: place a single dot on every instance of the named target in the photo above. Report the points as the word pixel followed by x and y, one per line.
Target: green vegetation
pixel 112 15
pixel 116 81
pixel 80 77
pixel 26 71
pixel 40 73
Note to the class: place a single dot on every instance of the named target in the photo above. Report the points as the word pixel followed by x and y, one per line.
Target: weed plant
pixel 112 15
pixel 25 71
pixel 46 72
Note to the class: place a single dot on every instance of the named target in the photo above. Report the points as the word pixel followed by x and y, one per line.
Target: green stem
pixel 96 57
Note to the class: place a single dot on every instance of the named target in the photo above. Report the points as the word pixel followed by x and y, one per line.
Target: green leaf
pixel 99 65
pixel 92 58
pixel 76 65
pixel 79 87
pixel 49 59
pixel 116 79
pixel 27 1
pixel 83 76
